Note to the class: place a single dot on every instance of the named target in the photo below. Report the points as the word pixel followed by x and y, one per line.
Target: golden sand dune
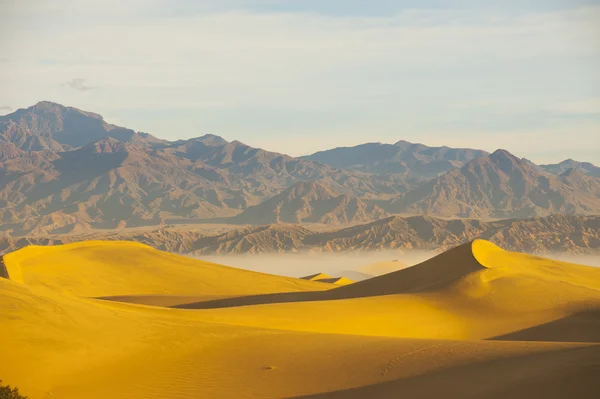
pixel 336 280
pixel 316 276
pixel 368 339
pixel 98 269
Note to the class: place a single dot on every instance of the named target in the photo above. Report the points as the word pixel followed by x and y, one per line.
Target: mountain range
pixel 66 171
pixel 415 161
pixel 501 185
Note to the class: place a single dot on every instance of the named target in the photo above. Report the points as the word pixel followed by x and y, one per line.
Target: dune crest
pixel 475 311
pixel 119 268
pixel 316 276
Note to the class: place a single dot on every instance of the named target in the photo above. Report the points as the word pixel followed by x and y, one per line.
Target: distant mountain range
pixel 501 185
pixel 63 170
pixel 414 161
pixel 556 233
pixel 564 166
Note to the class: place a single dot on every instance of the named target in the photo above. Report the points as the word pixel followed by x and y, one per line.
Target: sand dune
pixel 100 269
pixel 316 277
pixel 466 323
pixel 336 280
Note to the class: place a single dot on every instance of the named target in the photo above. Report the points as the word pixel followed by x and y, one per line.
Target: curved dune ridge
pixel 336 280
pixel 316 277
pixel 106 269
pixel 468 323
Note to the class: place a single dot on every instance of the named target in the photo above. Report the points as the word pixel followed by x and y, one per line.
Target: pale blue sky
pixel 302 76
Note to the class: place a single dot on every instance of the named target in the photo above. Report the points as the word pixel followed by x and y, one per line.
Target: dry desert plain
pixel 122 320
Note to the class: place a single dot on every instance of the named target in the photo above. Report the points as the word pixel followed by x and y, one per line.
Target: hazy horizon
pixel 304 264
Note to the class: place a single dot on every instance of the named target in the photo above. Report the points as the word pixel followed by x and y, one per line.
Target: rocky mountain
pixel 66 170
pixel 501 185
pixel 416 162
pixel 63 170
pixel 560 168
pixel 310 202
pixel 556 234
pixel 51 126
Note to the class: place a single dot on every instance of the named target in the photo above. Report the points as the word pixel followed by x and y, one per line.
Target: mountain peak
pixel 505 160
pixel 212 139
pixel 568 161
pixel 47 104
pixel 407 144
pixel 59 109
pixel 500 152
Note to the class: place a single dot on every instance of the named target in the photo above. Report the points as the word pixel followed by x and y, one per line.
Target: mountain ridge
pixel 414 160
pixel 500 185
pixel 67 170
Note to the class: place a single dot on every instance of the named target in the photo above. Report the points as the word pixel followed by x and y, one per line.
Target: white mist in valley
pixel 303 264
pixel 353 265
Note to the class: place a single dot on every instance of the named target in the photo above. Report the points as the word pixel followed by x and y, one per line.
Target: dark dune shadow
pixel 558 374
pixel 3 270
pixel 578 327
pixel 431 275
pixel 159 300
pixel 260 299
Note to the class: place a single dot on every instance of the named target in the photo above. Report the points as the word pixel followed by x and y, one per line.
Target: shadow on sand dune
pixel 578 327
pixel 566 373
pixel 431 275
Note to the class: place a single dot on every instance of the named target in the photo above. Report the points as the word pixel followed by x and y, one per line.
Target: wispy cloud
pixel 78 84
pixel 5 108
pixel 270 71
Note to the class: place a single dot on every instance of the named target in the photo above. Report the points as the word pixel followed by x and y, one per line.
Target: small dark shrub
pixel 6 392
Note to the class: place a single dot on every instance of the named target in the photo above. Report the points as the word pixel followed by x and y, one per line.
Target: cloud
pixel 78 84
pixel 282 76
pixel 5 108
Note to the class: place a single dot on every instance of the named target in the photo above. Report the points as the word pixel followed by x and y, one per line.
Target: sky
pixel 307 75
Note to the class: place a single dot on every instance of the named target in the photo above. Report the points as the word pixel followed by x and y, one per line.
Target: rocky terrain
pixel 501 185
pixel 64 171
pixel 556 233
pixel 310 202
pixel 415 161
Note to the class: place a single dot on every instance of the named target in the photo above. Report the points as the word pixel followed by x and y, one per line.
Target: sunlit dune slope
pixel 474 291
pixel 336 280
pixel 273 337
pixel 316 276
pixel 85 348
pixel 102 268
